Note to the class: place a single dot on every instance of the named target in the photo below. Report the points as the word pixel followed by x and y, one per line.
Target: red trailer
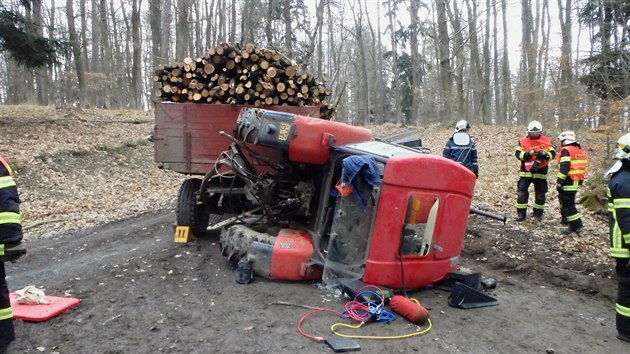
pixel 187 138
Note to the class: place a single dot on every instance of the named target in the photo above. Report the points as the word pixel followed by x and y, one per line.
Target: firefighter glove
pixel 535 166
pixel 541 154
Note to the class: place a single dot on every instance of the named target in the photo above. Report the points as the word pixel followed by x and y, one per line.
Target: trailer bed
pixel 186 135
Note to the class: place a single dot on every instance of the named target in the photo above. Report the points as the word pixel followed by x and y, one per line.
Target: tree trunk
pixel 40 74
pixel 107 54
pixel 83 36
pixel 155 15
pixel 76 53
pixel 486 90
pixel 506 106
pixel 565 99
pixel 459 100
pixel 269 21
pixel 182 34
pixel 167 20
pixel 288 28
pixel 444 60
pixel 416 79
pixel 136 67
pixel 391 7
pixel 232 36
pixel 51 89
pixel 498 107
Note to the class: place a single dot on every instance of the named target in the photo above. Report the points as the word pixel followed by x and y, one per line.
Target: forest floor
pixel 98 217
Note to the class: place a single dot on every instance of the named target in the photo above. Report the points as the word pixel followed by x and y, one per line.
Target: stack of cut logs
pixel 251 75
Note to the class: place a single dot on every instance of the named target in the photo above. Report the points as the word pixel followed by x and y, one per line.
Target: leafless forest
pixel 402 61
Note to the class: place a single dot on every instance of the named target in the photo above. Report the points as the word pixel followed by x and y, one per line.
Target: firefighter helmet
pixel 623 148
pixel 534 127
pixel 462 125
pixel 567 137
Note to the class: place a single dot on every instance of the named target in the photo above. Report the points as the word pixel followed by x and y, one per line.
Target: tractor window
pixel 417 235
pixel 349 236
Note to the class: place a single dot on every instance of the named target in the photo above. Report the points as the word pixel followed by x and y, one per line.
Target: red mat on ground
pixel 42 312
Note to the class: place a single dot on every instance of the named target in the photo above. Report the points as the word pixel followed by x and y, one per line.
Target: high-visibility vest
pixel 579 162
pixel 543 143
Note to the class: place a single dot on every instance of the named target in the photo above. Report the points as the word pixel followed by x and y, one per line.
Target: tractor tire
pixel 189 212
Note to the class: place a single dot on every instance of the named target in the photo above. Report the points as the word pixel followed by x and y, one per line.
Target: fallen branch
pixel 111 319
pixel 284 303
pixel 43 222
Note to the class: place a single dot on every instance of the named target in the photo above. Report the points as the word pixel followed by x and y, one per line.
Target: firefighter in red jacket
pixel 619 224
pixel 10 247
pixel 534 151
pixel 572 163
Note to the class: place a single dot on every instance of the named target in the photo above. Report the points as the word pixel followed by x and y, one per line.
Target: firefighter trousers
pixel 623 295
pixel 7 332
pixel 568 210
pixel 540 190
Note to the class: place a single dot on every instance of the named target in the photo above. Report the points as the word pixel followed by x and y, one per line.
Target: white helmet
pixel 623 148
pixel 534 127
pixel 461 125
pixel 567 137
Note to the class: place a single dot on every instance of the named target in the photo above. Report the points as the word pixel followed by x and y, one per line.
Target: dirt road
pixel 141 293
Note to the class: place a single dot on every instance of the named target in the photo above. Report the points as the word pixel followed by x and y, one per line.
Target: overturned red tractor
pixel 300 198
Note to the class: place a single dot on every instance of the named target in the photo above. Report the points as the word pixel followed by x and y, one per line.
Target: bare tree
pixel 182 34
pixel 136 66
pixel 107 54
pixel 414 7
pixel 444 60
pixel 40 73
pixel 288 28
pixel 155 16
pixel 167 19
pixel 76 53
pixel 460 101
pixel 565 81
pixel 391 15
pixel 506 85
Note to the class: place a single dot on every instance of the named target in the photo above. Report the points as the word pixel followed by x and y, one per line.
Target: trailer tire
pixel 189 212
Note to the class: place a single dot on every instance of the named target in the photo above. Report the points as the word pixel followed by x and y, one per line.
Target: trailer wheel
pixel 189 212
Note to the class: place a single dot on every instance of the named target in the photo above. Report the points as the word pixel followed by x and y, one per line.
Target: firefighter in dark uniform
pixel 619 222
pixel 11 247
pixel 534 151
pixel 463 150
pixel 572 163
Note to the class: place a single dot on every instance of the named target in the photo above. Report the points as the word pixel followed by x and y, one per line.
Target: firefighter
pixel 572 163
pixel 463 149
pixel 619 223
pixel 11 247
pixel 534 151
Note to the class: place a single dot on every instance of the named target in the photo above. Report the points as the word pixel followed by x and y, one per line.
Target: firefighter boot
pixel 624 337
pixel 574 226
pixel 538 214
pixel 4 348
pixel 520 215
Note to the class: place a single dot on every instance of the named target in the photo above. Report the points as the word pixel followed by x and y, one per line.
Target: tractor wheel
pixel 189 212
